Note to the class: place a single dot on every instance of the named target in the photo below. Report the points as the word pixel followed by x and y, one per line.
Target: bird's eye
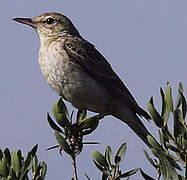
pixel 50 20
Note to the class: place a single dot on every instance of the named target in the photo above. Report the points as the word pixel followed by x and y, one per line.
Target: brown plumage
pixel 79 73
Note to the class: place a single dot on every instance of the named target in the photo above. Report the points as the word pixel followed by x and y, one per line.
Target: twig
pixel 177 159
pixel 159 174
pixel 74 167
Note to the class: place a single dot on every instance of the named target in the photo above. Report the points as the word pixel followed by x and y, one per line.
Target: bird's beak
pixel 26 21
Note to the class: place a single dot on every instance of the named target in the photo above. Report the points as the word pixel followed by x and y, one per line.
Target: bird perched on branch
pixel 80 74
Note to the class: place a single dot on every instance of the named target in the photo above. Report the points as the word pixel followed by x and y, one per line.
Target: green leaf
pixel 63 109
pixel 39 178
pixel 12 173
pixel 1 154
pixel 154 114
pixel 15 162
pixel 184 106
pixel 3 168
pixel 161 137
pixel 167 169
pixel 81 114
pixel 105 172
pixel 52 124
pixel 7 155
pixel 27 161
pixel 168 97
pixel 101 168
pixel 171 147
pixel 108 155
pixel 166 116
pixel 61 114
pixel 165 111
pixel 173 163
pixel 88 125
pixel 155 152
pixel 129 173
pixel 178 101
pixel 44 169
pixel 150 159
pixel 23 175
pixel 100 159
pixel 153 142
pixel 163 102
pixel 63 143
pixel 177 124
pixel 34 150
pixel 20 157
pixel 120 153
pixel 145 176
pixel 37 172
pixel 36 163
pixel 26 166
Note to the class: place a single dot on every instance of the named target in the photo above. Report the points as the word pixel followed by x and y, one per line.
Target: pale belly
pixel 86 93
pixel 75 86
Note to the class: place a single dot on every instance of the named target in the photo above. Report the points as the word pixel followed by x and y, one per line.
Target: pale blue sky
pixel 144 40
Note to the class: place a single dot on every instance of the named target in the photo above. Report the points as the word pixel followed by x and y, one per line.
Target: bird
pixel 81 75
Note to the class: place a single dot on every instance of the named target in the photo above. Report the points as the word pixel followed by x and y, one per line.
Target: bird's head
pixel 50 25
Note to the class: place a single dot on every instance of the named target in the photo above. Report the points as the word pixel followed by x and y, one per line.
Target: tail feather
pixel 131 119
pixel 140 130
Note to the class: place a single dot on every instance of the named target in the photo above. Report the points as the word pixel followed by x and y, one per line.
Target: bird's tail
pixel 131 119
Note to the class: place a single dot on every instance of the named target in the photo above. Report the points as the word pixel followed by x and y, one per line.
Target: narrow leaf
pixel 120 153
pixel 81 114
pixel 89 125
pixel 1 154
pixel 150 159
pixel 129 173
pixel 177 124
pixel 53 124
pixel 3 168
pixel 63 143
pixel 34 149
pixel 7 155
pixel 171 147
pixel 27 161
pixel 61 114
pixel 145 176
pixel 165 111
pixel 108 155
pixel 168 96
pixel 184 105
pixel 101 168
pixel 154 114
pixel 153 142
pixel 15 162
pixel 163 138
pixel 173 163
pixel 100 159
pixel 163 102
pixel 178 101
pixel 63 108
pixel 168 171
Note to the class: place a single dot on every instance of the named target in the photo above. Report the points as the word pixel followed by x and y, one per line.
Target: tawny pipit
pixel 80 74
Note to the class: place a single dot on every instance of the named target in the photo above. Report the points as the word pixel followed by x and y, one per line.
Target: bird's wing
pixel 93 63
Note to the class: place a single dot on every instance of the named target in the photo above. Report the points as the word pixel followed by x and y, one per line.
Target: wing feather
pixel 94 64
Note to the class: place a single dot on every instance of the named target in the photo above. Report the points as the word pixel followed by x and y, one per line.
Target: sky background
pixel 144 40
